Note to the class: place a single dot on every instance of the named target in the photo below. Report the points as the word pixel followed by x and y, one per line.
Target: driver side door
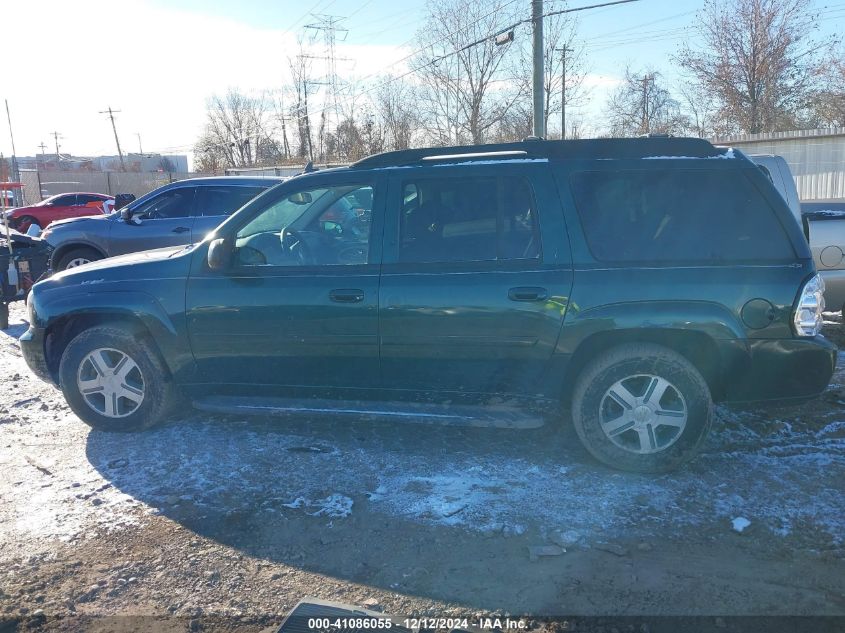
pixel 298 304
pixel 164 220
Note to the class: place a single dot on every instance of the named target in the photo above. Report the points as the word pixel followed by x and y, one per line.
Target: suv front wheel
pixel 642 407
pixel 115 381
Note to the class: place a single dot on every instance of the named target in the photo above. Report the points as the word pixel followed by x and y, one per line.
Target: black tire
pixel 632 364
pixel 4 316
pixel 159 394
pixel 83 252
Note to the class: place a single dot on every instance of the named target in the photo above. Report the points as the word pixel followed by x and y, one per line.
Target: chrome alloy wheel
pixel 643 414
pixel 110 382
pixel 77 261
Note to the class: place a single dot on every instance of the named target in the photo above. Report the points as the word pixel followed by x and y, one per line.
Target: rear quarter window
pixel 667 215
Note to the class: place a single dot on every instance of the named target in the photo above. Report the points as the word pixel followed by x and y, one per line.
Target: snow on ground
pixel 781 470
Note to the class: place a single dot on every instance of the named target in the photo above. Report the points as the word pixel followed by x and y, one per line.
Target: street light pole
pixel 537 20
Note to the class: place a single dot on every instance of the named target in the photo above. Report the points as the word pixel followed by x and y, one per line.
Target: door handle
pixel 527 293
pixel 181 229
pixel 346 295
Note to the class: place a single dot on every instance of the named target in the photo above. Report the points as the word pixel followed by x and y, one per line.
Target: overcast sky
pixel 157 61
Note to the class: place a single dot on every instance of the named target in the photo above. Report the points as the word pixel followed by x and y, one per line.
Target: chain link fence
pixel 43 184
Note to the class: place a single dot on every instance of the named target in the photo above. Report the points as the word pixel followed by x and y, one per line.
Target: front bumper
pixel 33 350
pixel 777 369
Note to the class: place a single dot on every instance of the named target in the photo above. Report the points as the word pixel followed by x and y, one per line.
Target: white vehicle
pixel 824 226
pixel 776 168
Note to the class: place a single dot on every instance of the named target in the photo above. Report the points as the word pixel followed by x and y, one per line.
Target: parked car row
pixel 636 280
pixel 58 207
pixel 176 214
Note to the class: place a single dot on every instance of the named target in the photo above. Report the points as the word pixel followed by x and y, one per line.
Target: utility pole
pixel 563 51
pixel 537 20
pixel 55 136
pixel 111 114
pixel 645 125
pixel 43 148
pixel 16 175
pixel 140 148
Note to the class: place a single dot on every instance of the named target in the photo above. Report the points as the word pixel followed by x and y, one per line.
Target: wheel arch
pixel 696 346
pixel 63 249
pixel 142 314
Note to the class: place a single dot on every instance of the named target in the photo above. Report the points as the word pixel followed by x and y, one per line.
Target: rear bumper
pixel 777 369
pixel 32 348
pixel 834 293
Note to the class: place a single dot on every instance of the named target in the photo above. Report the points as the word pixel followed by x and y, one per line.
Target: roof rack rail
pixel 411 156
pixel 540 148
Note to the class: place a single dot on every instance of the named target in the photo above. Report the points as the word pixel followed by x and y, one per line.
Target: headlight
pixel 808 313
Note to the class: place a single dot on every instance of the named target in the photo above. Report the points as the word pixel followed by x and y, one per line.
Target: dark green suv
pixel 635 281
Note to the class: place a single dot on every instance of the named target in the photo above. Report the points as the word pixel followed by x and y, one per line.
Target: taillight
pixel 808 313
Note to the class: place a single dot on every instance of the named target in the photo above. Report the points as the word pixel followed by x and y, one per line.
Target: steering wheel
pixel 293 244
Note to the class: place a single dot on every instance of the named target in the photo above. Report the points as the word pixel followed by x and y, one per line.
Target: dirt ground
pixel 223 523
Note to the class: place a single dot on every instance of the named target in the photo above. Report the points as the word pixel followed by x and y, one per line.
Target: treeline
pixel 757 66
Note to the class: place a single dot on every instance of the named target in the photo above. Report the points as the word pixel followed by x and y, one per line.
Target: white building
pixel 816 158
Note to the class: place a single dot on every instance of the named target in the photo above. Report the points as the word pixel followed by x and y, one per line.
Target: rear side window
pixel 673 215
pixel 468 219
pixel 224 200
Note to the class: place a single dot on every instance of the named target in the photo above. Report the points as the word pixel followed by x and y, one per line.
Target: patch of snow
pixel 335 505
pixel 727 155
pixel 740 523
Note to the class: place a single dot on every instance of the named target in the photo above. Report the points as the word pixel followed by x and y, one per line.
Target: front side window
pixel 674 215
pixel 217 201
pixel 64 201
pixel 176 203
pixel 468 219
pixel 323 226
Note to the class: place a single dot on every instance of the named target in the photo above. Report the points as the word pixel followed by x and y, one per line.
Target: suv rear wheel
pixel 642 408
pixel 114 381
pixel 77 257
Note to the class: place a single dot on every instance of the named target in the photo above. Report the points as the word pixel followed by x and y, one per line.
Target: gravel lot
pixel 222 516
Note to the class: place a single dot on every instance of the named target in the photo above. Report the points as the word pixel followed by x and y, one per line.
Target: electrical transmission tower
pixel 331 31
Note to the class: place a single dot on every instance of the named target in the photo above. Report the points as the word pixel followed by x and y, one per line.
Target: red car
pixel 58 207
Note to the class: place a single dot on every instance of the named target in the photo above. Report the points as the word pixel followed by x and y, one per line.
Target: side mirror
pixel 125 215
pixel 219 254
pixel 332 227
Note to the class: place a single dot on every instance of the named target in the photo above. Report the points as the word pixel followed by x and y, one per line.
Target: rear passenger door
pixel 215 203
pixel 476 278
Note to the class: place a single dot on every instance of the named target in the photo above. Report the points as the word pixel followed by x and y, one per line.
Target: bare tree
pixel 758 60
pixel 397 106
pixel 828 102
pixel 234 126
pixel 701 110
pixel 642 105
pixel 464 93
pixel 300 70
